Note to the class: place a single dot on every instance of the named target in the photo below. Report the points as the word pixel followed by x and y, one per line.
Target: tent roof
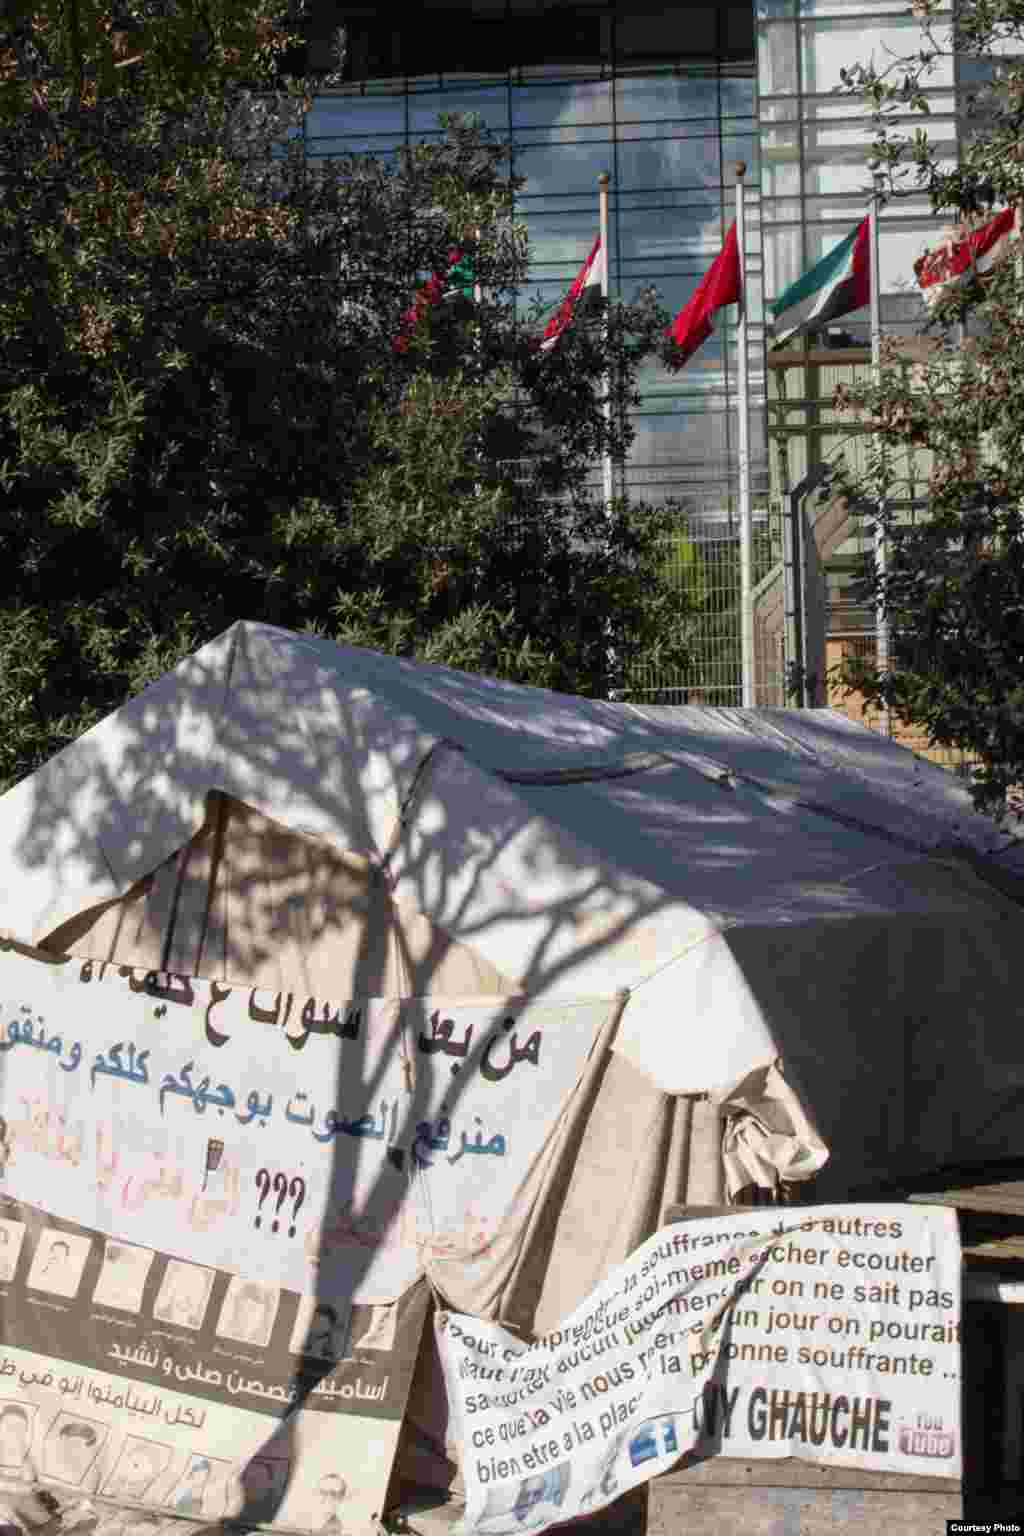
pixel 581 846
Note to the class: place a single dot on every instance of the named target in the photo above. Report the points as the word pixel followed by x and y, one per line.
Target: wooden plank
pixel 1006 1199
pixel 997 1249
pixel 791 1472
pixel 798 1512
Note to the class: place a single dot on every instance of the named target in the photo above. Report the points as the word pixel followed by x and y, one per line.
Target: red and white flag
pixel 722 284
pixel 589 281
pixel 938 269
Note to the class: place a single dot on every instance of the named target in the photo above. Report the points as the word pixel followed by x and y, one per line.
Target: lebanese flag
pixel 939 269
pixel 456 283
pixel 588 284
pixel 721 285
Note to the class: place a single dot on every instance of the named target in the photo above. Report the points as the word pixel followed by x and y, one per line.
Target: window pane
pixel 776 60
pixel 364 115
pixel 666 198
pixel 673 237
pixel 783 260
pixel 844 142
pixel 739 97
pixel 682 442
pixel 556 169
pixel 567 102
pixel 829 46
pixel 848 8
pixel 687 162
pixel 380 145
pixel 490 102
pixel 852 106
pixel 854 208
pixel 780 179
pixel 666 97
pixel 571 133
pixel 562 240
pixel 783 110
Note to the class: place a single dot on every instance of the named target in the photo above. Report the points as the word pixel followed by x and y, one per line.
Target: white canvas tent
pixel 753 886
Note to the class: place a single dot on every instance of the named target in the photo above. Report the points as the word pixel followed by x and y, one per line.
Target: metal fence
pixel 704 562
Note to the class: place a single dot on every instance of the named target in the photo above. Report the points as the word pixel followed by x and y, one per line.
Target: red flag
pixel 720 285
pixel 982 247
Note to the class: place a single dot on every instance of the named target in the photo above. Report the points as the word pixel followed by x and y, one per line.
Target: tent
pixel 798 930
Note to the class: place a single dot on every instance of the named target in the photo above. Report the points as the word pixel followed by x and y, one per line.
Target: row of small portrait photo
pixel 68 1454
pixel 247 1314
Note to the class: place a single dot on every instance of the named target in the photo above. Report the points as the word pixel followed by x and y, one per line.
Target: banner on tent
pixel 213 1208
pixel 318 1146
pixel 829 1333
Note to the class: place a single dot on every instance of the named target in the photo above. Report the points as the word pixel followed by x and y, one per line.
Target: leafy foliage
pixel 953 589
pixel 203 415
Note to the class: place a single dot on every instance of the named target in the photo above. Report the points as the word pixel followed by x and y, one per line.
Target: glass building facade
pixel 666 99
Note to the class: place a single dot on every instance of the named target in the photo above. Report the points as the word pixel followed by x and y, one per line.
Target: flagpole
pixel 602 189
pixel 602 198
pixel 881 621
pixel 746 515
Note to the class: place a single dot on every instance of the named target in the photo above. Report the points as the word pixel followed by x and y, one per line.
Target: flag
pixel 836 285
pixel 457 282
pixel 938 270
pixel 720 285
pixel 589 282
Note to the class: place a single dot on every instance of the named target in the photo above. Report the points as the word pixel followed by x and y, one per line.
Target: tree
pixel 953 590
pixel 206 414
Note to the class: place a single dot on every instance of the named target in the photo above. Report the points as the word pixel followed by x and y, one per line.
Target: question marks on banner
pixel 263 1184
pixel 280 1190
pixel 283 1188
pixel 297 1187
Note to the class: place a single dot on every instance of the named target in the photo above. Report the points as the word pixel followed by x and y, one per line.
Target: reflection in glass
pixel 780 179
pixel 670 162
pixel 739 97
pixel 563 238
pixel 682 236
pixel 556 169
pixel 566 102
pixel 382 147
pixel 364 115
pixel 829 45
pixel 783 259
pixel 776 60
pixel 683 442
pixel 663 98
pixel 490 103
pixel 743 147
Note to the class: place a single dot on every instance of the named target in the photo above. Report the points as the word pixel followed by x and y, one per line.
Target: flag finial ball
pixel 604 179
pixel 741 169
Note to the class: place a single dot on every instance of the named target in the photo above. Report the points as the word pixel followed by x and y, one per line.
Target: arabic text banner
pixel 828 1333
pixel 319 1146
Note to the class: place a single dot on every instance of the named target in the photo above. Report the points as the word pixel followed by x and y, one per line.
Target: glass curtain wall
pixel 665 100
pixel 815 145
